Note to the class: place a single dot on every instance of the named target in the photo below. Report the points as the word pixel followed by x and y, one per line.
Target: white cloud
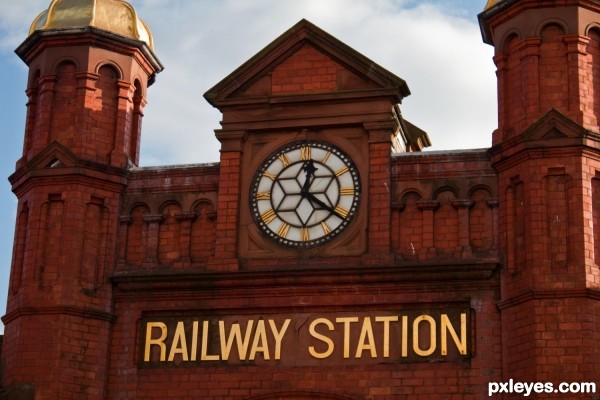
pixel 15 19
pixel 440 55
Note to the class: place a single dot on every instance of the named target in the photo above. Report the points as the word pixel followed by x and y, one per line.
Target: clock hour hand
pixel 315 199
pixel 309 169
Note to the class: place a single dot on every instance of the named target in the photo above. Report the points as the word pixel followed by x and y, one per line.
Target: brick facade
pixel 460 268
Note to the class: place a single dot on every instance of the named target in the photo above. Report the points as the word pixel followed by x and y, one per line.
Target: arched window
pixel 104 112
pixel 553 69
pixel 65 106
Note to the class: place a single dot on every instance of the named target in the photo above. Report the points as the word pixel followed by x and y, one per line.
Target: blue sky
pixel 434 45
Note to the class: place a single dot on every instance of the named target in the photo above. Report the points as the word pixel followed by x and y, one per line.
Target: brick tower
pixel 545 152
pixel 90 63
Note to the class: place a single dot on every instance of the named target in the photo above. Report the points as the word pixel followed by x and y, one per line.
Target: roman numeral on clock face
pixel 268 216
pixel 263 196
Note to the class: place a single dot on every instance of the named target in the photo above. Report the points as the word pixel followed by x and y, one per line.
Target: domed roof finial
pixel 491 3
pixel 115 16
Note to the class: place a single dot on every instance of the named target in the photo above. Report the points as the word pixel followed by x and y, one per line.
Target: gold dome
pixel 116 16
pixel 491 3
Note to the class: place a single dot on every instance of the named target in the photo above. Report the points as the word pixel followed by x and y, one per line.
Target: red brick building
pixel 325 256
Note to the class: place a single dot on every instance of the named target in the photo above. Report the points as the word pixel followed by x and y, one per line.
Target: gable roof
pixel 301 34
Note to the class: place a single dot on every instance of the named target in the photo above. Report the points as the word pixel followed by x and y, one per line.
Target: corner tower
pixel 90 63
pixel 545 152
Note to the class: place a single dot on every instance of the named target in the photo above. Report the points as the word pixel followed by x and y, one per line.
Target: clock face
pixel 305 194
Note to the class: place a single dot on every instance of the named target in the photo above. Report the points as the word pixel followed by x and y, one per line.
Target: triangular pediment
pixel 554 134
pixel 305 60
pixel 553 127
pixel 55 155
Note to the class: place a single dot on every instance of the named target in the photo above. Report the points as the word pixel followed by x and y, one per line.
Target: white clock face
pixel 305 194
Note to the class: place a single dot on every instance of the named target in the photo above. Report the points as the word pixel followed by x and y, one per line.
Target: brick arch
pixel 511 38
pixel 169 233
pixel 64 111
pixel 481 218
pixel 203 231
pixel 437 194
pixel 164 205
pixel 445 222
pixel 109 64
pixel 410 193
pixel 33 111
pixel 407 228
pixel 109 70
pixel 550 29
pixel 104 110
pixel 594 26
pixel 136 121
pixel 593 50
pixel 202 203
pixel 553 68
pixel 63 61
pixel 139 204
pixel 510 105
pixel 552 22
pixel 140 88
pixel 34 78
pixel 137 234
pixel 480 187
pixel 302 395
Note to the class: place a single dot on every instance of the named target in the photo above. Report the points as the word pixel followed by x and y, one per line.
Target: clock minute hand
pixel 313 198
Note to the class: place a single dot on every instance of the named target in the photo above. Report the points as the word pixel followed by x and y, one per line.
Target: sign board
pixel 307 339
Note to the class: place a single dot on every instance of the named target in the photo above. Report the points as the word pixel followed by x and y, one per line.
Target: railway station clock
pixel 305 194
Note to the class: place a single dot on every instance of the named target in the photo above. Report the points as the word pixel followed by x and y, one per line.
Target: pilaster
pixel 379 178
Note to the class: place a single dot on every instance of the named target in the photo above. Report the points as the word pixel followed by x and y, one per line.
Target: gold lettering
pixel 179 345
pixel 235 333
pixel 204 356
pixel 432 335
pixel 404 336
pixel 160 341
pixel 346 191
pixel 326 228
pixel 461 344
pixel 324 161
pixel 260 335
pixel 346 321
pixel 313 332
pixel 366 333
pixel 194 350
pixel 278 335
pixel 250 337
pixel 386 332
